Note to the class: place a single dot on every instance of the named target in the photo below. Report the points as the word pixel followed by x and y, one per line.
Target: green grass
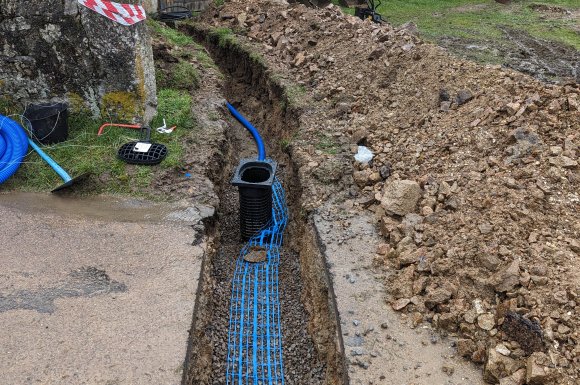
pixel 326 144
pixel 184 76
pixel 84 151
pixel 225 37
pixel 169 34
pixel 481 20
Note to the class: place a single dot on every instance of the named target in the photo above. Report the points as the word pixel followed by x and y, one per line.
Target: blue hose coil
pixel 13 147
pixel 255 331
pixel 252 129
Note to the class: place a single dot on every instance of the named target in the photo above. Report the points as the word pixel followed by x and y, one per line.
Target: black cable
pixel 181 13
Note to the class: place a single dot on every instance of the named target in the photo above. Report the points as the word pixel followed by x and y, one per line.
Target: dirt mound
pixel 490 249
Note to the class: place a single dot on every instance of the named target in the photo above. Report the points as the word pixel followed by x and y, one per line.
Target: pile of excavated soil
pixel 474 180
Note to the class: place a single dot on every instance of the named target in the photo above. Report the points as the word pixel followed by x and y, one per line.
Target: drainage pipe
pixel 13 147
pixel 252 129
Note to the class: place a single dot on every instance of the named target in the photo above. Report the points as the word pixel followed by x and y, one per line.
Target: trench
pixel 311 338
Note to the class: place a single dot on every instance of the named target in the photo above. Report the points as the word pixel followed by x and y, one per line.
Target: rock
pixel 517 378
pixel 465 347
pixel 387 225
pixel 507 278
pixel 486 321
pixel 300 59
pixel 362 178
pixel 411 256
pixel 385 171
pixel 563 161
pixel 502 349
pixel 463 96
pixel 383 249
pixel 512 108
pixel 437 297
pixel 376 54
pixel 498 366
pixel 448 321
pixel 485 228
pixel 448 369
pixel 445 106
pixel 59 51
pixel 538 370
pixel 400 303
pixel 242 17
pixel 489 261
pixel 400 197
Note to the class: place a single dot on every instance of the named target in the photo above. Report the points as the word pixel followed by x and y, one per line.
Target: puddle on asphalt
pixel 110 209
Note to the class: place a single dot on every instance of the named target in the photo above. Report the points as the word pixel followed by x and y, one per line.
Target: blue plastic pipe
pixel 59 170
pixel 13 147
pixel 252 129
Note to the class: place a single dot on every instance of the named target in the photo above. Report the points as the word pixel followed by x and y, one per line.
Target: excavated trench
pixel 312 349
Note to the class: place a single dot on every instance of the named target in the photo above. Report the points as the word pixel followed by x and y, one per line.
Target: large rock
pixel 400 197
pixel 508 278
pixel 498 366
pixel 538 370
pixel 58 50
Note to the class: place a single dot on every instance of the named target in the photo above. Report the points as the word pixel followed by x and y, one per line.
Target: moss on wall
pixel 120 106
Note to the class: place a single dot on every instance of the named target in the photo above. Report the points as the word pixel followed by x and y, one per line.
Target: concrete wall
pixel 55 50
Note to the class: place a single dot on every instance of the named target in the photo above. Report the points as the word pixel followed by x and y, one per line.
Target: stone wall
pixel 55 50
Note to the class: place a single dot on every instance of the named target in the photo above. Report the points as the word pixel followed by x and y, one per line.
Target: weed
pixel 294 93
pixel 326 144
pixel 219 3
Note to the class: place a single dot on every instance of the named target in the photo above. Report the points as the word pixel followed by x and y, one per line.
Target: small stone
pixel 485 228
pixel 503 350
pixel 517 378
pixel 400 303
pixel 555 150
pixel 376 54
pixel 463 96
pixel 512 108
pixel 437 297
pixel 383 249
pixel 563 161
pixel 465 347
pixel 508 278
pixel 384 325
pixel 486 321
pixel 448 369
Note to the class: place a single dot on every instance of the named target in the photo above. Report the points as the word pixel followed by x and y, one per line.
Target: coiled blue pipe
pixel 252 129
pixel 13 147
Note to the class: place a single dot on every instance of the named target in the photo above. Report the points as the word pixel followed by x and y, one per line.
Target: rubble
pixel 485 156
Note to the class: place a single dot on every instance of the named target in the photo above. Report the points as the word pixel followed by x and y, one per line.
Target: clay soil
pixel 489 251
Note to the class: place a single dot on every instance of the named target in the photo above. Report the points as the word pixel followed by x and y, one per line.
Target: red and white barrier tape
pixel 125 14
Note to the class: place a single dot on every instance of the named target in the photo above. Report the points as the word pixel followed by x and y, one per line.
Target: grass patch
pixel 169 34
pixel 481 20
pixel 225 37
pixel 84 151
pixel 294 94
pixel 326 144
pixel 184 76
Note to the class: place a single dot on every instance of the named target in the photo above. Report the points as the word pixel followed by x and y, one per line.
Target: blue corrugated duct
pixel 13 147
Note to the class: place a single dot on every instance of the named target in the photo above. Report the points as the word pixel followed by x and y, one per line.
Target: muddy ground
pixel 545 60
pixel 473 184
